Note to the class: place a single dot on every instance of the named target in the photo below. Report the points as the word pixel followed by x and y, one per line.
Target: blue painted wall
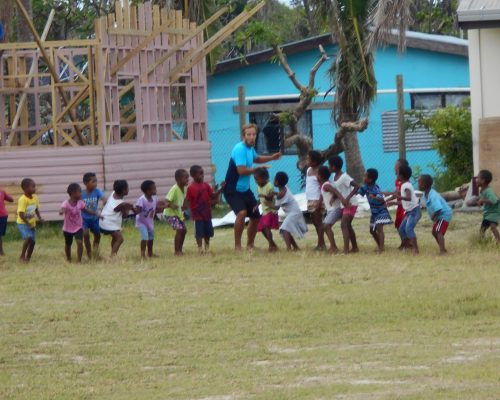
pixel 420 69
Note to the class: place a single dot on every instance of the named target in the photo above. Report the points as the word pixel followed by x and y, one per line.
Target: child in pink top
pixel 73 222
pixel 3 216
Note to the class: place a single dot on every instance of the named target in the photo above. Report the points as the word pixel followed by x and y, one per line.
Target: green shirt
pixel 265 190
pixel 175 196
pixel 491 212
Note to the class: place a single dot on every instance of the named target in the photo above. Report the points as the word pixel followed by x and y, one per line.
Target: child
pixel 400 212
pixel 411 206
pixel 146 208
pixel 269 217
pixel 438 209
pixel 112 215
pixel 28 210
pixel 331 201
pixel 294 223
pixel 3 216
pixel 380 215
pixel 344 183
pixel 201 197
pixel 91 196
pixel 490 202
pixel 73 222
pixel 175 207
pixel 313 195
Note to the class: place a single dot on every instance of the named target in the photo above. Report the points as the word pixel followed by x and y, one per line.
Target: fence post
pixel 401 117
pixel 241 106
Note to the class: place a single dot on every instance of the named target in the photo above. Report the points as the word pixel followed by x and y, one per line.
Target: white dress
pixel 294 222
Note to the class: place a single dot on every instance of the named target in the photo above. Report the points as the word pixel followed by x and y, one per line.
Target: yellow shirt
pixel 28 207
pixel 266 190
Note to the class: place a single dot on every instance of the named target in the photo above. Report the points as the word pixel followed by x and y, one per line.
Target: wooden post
pixel 241 106
pixel 401 117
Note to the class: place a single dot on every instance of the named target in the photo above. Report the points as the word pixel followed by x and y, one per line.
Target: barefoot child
pixel 347 188
pixel 438 209
pixel 269 216
pixel 175 207
pixel 72 209
pixel 411 206
pixel 201 197
pixel 3 216
pixel 146 208
pixel 112 215
pixel 331 201
pixel 400 212
pixel 491 204
pixel 380 215
pixel 294 223
pixel 91 196
pixel 313 195
pixel 28 210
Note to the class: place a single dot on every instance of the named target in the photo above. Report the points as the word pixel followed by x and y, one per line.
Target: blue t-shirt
pixel 91 201
pixel 242 155
pixel 434 203
pixel 377 204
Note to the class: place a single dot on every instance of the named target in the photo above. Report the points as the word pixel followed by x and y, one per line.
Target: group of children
pixel 330 192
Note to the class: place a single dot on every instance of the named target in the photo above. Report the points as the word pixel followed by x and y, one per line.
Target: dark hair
pixel 403 161
pixel 72 188
pixel 372 174
pixel 315 156
pixel 261 173
pixel 427 180
pixel 194 170
pixel 405 171
pixel 324 173
pixel 26 182
pixel 282 178
pixel 336 161
pixel 88 176
pixel 486 175
pixel 146 185
pixel 119 186
pixel 179 173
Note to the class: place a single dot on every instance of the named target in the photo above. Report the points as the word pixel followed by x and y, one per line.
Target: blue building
pixel 435 71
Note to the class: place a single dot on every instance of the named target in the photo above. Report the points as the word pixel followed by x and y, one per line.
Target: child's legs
pixel 180 235
pixel 374 233
pixel 144 244
pixel 29 237
pixel 150 247
pixel 494 229
pixel 86 242
pixel 116 242
pixel 3 228
pixel 68 242
pixel 79 249
pixel 206 239
pixel 438 231
pixel 327 228
pixel 381 237
pixel 1 247
pixel 293 243
pixel 287 237
pixel 412 219
pixel 316 217
pixel 143 232
pixel 344 226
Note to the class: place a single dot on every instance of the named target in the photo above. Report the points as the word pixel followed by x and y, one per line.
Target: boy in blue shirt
pixel 91 196
pixel 437 207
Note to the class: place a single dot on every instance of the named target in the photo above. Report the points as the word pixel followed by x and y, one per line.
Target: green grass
pixel 258 326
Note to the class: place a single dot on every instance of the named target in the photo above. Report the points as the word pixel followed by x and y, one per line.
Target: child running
pixel 411 206
pixel 28 210
pixel 3 216
pixel 201 198
pixel 438 209
pixel 91 196
pixel 294 223
pixel 72 209
pixel 112 215
pixel 380 215
pixel 347 188
pixel 313 195
pixel 175 209
pixel 490 202
pixel 331 202
pixel 269 216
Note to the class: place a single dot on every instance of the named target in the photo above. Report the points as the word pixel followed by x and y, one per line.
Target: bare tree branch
pixel 314 69
pixel 284 63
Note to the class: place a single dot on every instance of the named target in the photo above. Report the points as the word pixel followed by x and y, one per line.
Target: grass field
pixel 254 325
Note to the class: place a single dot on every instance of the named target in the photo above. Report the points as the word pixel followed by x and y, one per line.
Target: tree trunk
pixel 310 17
pixel 23 32
pixel 354 162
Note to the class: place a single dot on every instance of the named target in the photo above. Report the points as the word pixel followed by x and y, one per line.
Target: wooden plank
pixel 49 44
pixel 73 67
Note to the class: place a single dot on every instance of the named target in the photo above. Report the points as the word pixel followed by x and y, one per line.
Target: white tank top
pixel 112 220
pixel 413 203
pixel 327 197
pixel 313 189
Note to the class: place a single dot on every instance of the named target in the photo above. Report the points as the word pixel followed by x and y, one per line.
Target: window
pixel 431 101
pixel 270 138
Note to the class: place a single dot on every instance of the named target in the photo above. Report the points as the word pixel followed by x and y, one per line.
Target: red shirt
pixel 400 212
pixel 198 195
pixel 4 196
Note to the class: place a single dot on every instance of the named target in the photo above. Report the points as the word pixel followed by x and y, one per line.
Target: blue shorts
pixel 26 232
pixel 3 225
pixel 91 224
pixel 407 227
pixel 203 229
pixel 145 233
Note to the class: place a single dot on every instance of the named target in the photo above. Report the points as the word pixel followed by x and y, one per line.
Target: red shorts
pixel 440 226
pixel 270 220
pixel 351 210
pixel 400 216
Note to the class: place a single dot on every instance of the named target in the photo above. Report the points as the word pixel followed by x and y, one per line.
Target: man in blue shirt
pixel 237 190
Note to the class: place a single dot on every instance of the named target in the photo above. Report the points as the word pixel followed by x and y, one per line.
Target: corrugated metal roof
pixel 478 10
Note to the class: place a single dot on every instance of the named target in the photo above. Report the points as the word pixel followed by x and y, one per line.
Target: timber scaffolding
pixel 142 79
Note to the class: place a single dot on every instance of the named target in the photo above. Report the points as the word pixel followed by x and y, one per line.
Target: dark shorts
pixel 68 237
pixel 3 225
pixel 486 224
pixel 203 229
pixel 91 224
pixel 106 232
pixel 240 201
